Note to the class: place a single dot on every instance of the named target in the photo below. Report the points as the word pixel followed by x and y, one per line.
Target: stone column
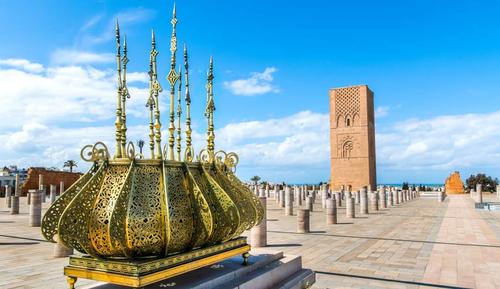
pixel 288 203
pixel 356 196
pixel 473 194
pixel 282 199
pixel 331 212
pixel 324 197
pixel 398 197
pixel 17 190
pixel 309 204
pixel 498 191
pixel 338 199
pixel 28 199
pixel 35 208
pixel 53 193
pixel 374 201
pixel 61 188
pixel 267 191
pixel 479 192
pixel 303 221
pixel 440 196
pixel 61 251
pixel 390 197
pixel 8 194
pixel 349 208
pixel 363 201
pixel 262 192
pixel 383 201
pixel 258 234
pixel 41 187
pixel 14 209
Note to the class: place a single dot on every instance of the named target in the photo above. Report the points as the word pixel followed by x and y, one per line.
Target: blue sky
pixel 433 65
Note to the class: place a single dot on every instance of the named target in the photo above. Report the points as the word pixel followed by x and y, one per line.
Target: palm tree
pixel 255 179
pixel 70 164
pixel 140 144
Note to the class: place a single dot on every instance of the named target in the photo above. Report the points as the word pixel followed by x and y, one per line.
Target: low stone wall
pixel 49 178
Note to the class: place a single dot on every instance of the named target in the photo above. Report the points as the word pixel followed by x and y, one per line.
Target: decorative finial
pixel 189 152
pixel 151 101
pixel 155 91
pixel 118 121
pixel 209 112
pixel 179 114
pixel 172 78
pixel 125 94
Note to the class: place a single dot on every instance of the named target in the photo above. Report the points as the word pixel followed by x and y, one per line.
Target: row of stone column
pixel 366 199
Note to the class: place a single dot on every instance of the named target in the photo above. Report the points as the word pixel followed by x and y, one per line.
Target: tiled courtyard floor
pixel 419 244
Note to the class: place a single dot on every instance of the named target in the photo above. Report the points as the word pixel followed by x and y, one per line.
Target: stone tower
pixel 352 138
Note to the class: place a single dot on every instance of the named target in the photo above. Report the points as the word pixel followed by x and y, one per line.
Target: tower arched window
pixel 347 149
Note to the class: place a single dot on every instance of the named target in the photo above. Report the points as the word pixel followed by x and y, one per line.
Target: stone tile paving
pixel 419 244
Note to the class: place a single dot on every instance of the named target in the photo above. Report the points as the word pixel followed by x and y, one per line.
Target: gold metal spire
pixel 118 121
pixel 209 112
pixel 151 103
pixel 125 94
pixel 172 78
pixel 156 89
pixel 189 153
pixel 179 114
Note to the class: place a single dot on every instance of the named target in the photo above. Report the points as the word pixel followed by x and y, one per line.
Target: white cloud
pixel 258 83
pixel 63 94
pixel 22 64
pixel 75 57
pixel 381 111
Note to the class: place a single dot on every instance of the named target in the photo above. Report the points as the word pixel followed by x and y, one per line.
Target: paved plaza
pixel 419 244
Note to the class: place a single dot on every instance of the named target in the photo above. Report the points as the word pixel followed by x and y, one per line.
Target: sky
pixel 433 66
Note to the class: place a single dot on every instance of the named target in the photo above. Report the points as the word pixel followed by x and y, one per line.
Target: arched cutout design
pixel 347 149
pixel 348 120
pixel 340 121
pixel 355 120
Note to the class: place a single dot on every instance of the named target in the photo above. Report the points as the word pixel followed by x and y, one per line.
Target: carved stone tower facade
pixel 352 138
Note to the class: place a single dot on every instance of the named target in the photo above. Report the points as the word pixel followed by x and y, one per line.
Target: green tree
pixel 140 144
pixel 70 164
pixel 489 184
pixel 255 179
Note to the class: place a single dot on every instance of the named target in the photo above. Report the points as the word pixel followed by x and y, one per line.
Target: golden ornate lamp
pixel 137 220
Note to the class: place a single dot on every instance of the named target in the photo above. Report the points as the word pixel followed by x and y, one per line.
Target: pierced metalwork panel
pixel 180 209
pixel 202 214
pixel 118 223
pixel 228 207
pixel 242 201
pixel 145 225
pixel 103 207
pixel 259 210
pixel 219 220
pixel 54 213
pixel 73 226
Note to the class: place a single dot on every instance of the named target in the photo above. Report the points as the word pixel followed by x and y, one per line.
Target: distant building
pixel 352 138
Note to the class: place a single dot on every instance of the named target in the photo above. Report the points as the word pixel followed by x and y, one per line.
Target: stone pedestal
pixel 8 195
pixel 299 196
pixel 61 188
pixel 479 192
pixel 356 197
pixel 363 201
pixel 349 208
pixel 282 199
pixel 391 198
pixel 262 192
pixel 331 212
pixel 61 251
pixel 17 191
pixel 440 196
pixel 309 204
pixel 53 193
pixel 288 203
pixel 258 234
pixel 338 199
pixel 28 199
pixel 35 208
pixel 303 221
pixel 373 202
pixel 14 209
pixel 383 200
pixel 41 187
pixel 398 197
pixel 267 191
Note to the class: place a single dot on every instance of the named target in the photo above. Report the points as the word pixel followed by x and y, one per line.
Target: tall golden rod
pixel 156 91
pixel 179 114
pixel 209 112
pixel 125 94
pixel 172 78
pixel 118 121
pixel 189 154
pixel 151 102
